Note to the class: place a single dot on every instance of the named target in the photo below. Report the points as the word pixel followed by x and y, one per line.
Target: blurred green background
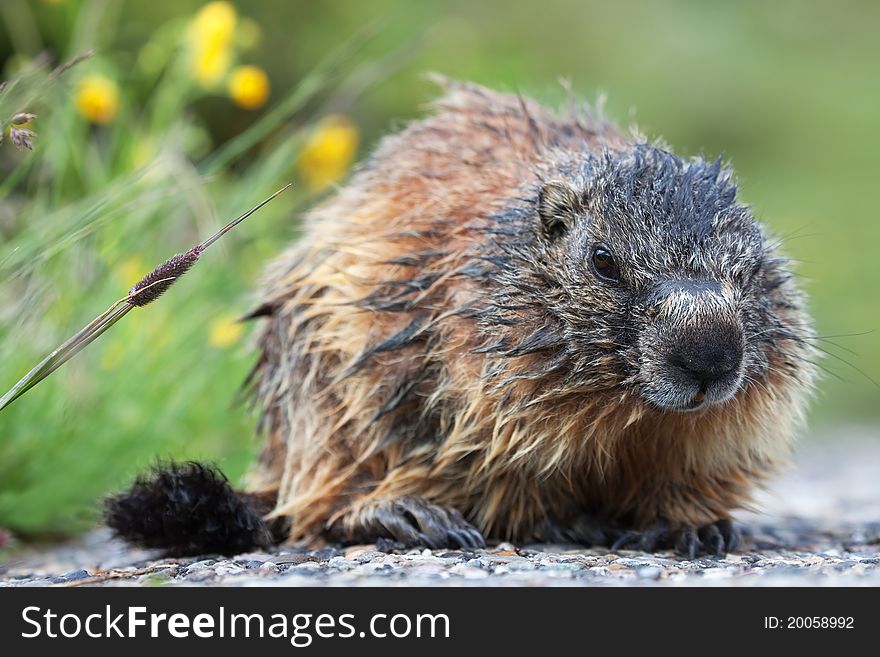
pixel 139 154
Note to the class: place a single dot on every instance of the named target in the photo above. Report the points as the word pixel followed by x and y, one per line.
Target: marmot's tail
pixel 188 508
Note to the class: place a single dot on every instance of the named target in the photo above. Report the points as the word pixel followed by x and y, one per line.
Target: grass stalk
pixel 147 290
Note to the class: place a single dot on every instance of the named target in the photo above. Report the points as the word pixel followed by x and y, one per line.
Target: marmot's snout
pixel 695 350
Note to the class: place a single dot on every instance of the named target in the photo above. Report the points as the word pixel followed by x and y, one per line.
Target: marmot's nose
pixel 708 358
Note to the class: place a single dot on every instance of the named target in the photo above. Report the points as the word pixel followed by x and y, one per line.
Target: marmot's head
pixel 651 276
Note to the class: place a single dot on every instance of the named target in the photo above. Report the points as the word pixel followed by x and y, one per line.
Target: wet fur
pixel 423 340
pixel 434 359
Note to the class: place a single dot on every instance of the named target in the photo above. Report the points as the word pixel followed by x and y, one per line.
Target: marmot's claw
pixel 478 537
pixel 716 539
pixel 413 521
pixel 729 533
pixel 712 540
pixel 626 540
pixel 467 538
pixel 688 542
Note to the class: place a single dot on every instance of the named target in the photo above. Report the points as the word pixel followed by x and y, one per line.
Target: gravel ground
pixel 820 525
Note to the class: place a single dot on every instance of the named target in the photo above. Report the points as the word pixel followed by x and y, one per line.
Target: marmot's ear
pixel 558 204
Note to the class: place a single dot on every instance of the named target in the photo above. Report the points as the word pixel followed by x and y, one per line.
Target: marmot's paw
pixel 413 521
pixel 716 538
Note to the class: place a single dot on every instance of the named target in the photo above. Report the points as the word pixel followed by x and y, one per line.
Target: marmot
pixel 510 324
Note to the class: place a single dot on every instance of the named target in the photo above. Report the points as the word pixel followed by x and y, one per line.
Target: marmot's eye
pixel 603 263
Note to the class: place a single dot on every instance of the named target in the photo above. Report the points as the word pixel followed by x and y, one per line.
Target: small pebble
pixel 74 575
pixel 308 568
pixel 649 572
pixel 200 565
pixel 198 576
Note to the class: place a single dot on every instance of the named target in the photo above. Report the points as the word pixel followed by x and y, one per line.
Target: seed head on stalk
pixel 145 291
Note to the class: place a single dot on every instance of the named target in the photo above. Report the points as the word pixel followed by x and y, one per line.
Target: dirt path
pixel 820 526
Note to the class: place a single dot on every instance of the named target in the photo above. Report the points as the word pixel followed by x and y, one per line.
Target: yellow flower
pixel 211 36
pixel 328 152
pixel 97 98
pixel 249 87
pixel 215 23
pixel 210 65
pixel 225 332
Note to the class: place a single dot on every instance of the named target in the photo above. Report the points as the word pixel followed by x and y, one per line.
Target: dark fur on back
pixel 187 508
